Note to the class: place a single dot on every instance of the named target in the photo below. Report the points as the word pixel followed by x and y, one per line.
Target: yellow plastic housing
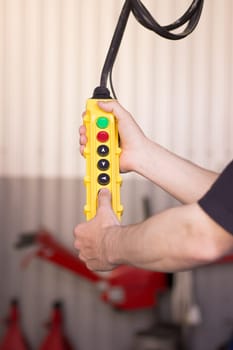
pixel 93 113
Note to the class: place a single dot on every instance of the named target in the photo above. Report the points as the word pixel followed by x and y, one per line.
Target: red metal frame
pixel 125 288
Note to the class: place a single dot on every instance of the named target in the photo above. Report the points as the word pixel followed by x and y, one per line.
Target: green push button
pixel 102 122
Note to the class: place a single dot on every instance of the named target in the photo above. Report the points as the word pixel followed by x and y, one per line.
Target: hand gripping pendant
pixel 102 153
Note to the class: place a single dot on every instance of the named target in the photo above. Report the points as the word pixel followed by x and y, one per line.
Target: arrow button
pixel 103 164
pixel 103 150
pixel 103 179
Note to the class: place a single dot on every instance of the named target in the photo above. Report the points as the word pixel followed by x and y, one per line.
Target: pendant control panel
pixel 102 154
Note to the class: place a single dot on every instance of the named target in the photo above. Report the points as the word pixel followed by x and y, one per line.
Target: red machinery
pixel 55 339
pixel 14 338
pixel 126 288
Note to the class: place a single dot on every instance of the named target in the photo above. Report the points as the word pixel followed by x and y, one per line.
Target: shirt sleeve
pixel 218 201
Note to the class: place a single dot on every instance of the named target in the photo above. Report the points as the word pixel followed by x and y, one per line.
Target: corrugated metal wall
pixel 51 55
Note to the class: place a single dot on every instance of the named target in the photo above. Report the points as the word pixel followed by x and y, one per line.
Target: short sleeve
pixel 218 201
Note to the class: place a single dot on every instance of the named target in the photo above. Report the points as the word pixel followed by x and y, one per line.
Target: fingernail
pixel 103 190
pixel 103 102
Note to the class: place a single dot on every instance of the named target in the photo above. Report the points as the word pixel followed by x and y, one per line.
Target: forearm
pixel 184 180
pixel 174 240
pixel 179 177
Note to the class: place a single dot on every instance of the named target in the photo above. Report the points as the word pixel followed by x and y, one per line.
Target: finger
pixel 104 199
pixel 82 140
pixel 82 130
pixel 83 114
pixel 81 149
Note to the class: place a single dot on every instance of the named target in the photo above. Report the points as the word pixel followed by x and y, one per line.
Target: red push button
pixel 102 136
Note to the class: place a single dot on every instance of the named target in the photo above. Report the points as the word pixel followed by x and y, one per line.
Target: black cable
pixel 115 43
pixel 190 18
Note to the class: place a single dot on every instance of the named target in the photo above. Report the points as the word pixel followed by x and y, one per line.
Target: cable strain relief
pixel 101 92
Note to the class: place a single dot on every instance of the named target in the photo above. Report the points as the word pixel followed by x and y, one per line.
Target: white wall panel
pixel 2 87
pixel 52 52
pixel 12 88
pixel 51 141
pixel 218 97
pixel 31 88
pixel 70 89
pixel 200 78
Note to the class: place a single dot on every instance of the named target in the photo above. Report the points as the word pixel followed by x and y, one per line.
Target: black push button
pixel 103 179
pixel 103 164
pixel 103 150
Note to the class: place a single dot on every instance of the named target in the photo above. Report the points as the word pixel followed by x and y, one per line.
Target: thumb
pixel 104 198
pixel 113 107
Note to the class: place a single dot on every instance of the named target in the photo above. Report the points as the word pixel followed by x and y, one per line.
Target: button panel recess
pixel 102 153
pixel 102 136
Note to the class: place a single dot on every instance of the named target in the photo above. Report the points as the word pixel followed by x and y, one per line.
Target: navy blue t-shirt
pixel 218 201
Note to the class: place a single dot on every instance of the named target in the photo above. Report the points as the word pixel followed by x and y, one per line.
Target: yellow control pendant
pixel 102 153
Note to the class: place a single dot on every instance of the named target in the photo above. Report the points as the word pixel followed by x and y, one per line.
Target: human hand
pixel 91 236
pixel 132 138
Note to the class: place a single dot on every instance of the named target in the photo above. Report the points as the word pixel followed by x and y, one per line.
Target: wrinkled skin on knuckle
pixel 90 267
pixel 81 257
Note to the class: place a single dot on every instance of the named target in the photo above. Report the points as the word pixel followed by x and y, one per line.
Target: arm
pixel 185 181
pixel 182 179
pixel 176 239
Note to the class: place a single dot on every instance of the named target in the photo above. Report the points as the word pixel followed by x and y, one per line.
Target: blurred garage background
pixel 51 56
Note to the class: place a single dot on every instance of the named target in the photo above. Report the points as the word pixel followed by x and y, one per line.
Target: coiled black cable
pixel 190 17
